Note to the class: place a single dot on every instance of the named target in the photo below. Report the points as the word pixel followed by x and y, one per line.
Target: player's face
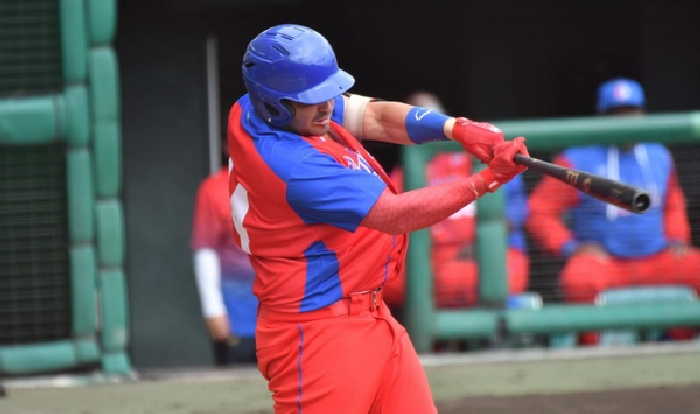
pixel 311 119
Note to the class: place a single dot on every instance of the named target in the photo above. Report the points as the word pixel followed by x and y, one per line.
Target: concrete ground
pixel 596 380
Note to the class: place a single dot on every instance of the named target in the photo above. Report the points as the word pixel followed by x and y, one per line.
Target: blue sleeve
pixel 339 110
pixel 321 190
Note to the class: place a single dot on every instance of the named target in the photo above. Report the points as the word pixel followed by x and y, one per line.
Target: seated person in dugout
pixel 605 246
pixel 454 266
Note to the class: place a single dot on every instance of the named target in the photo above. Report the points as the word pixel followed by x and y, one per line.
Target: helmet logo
pixel 622 92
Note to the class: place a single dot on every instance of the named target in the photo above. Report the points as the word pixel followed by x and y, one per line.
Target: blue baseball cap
pixel 620 92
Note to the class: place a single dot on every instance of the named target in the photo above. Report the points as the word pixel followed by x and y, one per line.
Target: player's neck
pixel 332 135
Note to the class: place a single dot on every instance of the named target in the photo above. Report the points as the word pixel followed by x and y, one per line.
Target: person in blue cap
pixel 325 228
pixel 605 246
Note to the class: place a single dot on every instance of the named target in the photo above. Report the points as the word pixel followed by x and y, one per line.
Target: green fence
pixel 83 115
pixel 491 319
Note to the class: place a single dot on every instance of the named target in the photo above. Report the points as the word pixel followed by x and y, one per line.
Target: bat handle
pixel 522 160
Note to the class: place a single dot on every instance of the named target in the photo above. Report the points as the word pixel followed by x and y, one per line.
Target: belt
pixel 356 303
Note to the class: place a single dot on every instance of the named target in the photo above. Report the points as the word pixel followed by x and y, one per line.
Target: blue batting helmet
pixel 291 62
pixel 619 92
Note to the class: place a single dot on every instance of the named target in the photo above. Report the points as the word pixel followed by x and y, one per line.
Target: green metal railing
pixel 85 115
pixel 425 323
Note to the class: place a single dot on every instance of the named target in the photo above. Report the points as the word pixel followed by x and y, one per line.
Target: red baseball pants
pixel 351 357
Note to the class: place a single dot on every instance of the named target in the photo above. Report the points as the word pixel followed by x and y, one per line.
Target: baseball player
pixel 326 229
pixel 224 275
pixel 605 246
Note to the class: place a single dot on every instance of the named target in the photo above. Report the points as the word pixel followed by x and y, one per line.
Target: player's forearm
pixel 390 122
pixel 208 276
pixel 417 209
pixel 402 213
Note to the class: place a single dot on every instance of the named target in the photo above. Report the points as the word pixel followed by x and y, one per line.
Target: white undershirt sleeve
pixel 354 114
pixel 207 270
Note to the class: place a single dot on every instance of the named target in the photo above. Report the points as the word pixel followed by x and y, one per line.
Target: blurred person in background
pixel 454 267
pixel 605 246
pixel 224 275
pixel 325 227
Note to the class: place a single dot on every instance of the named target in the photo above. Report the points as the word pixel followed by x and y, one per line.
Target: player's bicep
pixel 385 121
pixel 323 191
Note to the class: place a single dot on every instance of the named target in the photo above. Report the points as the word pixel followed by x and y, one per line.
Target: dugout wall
pixel 60 142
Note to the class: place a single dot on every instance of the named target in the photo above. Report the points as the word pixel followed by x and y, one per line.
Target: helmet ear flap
pixel 271 110
pixel 279 115
pixel 290 109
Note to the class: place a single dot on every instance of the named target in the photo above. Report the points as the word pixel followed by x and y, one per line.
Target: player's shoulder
pixel 287 154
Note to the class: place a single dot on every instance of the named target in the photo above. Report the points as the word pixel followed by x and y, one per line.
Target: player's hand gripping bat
pixel 611 191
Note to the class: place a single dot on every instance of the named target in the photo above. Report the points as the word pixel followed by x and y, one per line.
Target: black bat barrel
pixel 614 192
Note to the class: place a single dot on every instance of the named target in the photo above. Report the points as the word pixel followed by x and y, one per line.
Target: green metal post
pixel 103 77
pixel 491 250
pixel 419 308
pixel 550 134
pixel 568 318
pixel 461 324
pixel 81 191
pixel 34 120
pixel 54 355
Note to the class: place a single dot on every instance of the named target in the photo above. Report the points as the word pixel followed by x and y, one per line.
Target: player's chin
pixel 317 128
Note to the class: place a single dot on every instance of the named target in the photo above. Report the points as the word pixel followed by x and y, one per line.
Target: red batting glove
pixel 478 138
pixel 503 168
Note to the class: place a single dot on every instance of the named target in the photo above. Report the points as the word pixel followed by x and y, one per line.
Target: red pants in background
pixel 586 275
pixel 350 357
pixel 456 281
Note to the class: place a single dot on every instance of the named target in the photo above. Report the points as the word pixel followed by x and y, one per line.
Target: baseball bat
pixel 614 192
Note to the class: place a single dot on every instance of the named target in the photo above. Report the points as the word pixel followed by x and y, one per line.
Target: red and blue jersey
pixel 648 166
pixel 297 204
